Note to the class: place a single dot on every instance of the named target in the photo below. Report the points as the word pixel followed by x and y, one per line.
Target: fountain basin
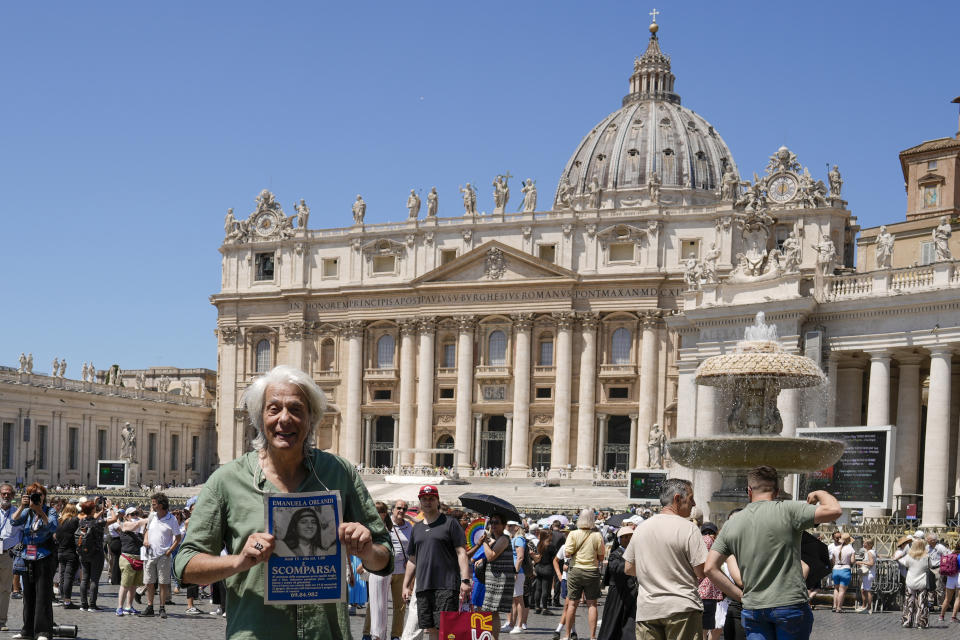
pixel 744 452
pixel 787 370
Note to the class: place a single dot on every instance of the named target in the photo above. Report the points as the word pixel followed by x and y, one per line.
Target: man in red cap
pixel 442 571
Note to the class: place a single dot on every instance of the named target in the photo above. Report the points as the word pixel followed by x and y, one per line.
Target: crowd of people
pixel 666 574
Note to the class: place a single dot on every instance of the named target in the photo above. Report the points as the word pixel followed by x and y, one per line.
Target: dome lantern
pixel 652 77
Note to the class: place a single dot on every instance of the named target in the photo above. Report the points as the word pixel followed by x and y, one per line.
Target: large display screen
pixel 645 485
pixel 111 473
pixel 861 476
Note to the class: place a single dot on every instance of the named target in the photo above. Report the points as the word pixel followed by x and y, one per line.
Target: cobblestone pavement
pixel 105 625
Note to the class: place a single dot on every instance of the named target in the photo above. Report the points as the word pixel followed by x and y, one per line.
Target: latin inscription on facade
pixel 482 297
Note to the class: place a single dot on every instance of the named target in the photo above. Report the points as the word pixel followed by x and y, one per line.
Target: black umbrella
pixel 486 504
pixel 616 520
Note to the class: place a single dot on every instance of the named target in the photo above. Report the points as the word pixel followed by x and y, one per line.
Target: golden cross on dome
pixel 653 14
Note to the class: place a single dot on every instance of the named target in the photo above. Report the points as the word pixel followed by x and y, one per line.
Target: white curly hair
pixel 253 399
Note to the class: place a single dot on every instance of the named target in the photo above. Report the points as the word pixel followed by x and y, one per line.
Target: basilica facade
pixel 563 334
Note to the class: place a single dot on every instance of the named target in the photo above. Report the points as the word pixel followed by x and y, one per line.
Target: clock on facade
pixel 782 188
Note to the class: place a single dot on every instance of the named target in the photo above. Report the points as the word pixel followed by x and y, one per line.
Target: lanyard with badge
pixel 30 551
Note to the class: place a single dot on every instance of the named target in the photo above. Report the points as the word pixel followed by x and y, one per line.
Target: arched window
pixel 327 355
pixel 620 347
pixel 263 356
pixel 385 347
pixel 497 348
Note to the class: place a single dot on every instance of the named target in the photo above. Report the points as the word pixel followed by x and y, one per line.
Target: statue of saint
pixel 730 187
pixel 710 264
pixel 941 240
pixel 229 222
pixel 29 363
pixel 836 182
pixel 432 203
pixel 92 372
pixel 55 367
pixel 791 254
pixel 655 447
pixel 23 363
pixel 469 200
pixel 128 443
pixel 826 255
pixel 413 204
pixel 359 210
pixel 563 195
pixel 63 368
pixel 884 257
pixel 501 193
pixel 692 272
pixel 593 191
pixel 303 214
pixel 653 187
pixel 529 190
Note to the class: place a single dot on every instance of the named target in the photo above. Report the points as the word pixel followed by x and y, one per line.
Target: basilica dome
pixel 650 139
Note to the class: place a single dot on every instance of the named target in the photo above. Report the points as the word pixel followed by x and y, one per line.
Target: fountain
pixel 754 375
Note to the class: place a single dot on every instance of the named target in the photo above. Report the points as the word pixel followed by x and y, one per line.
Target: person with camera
pixel 39 522
pixel 9 539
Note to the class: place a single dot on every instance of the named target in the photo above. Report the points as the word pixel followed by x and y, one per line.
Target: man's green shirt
pixel 765 539
pixel 231 507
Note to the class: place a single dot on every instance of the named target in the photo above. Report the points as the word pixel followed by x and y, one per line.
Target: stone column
pixel 687 388
pixel 849 396
pixel 395 454
pixel 230 441
pixel 408 381
pixel 508 437
pixel 350 434
pixel 587 397
pixel 831 400
pixel 368 441
pixel 706 482
pixel 633 438
pixel 560 456
pixel 519 443
pixel 477 442
pixel 601 439
pixel 461 440
pixel 427 329
pixel 936 456
pixel 649 375
pixel 878 394
pixel 294 331
pixel 907 446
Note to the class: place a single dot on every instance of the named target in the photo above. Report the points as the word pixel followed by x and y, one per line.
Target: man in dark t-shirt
pixel 437 557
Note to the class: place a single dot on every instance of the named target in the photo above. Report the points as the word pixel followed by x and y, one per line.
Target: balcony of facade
pixel 378 374
pixel 492 372
pixel 618 371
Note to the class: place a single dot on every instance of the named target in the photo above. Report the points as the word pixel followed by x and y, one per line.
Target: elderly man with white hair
pixel 285 406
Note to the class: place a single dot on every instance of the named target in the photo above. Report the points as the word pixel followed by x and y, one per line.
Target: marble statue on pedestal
pixel 941 240
pixel 413 205
pixel 836 182
pixel 653 187
pixel 884 257
pixel 710 264
pixel 730 188
pixel 23 363
pixel 54 367
pixel 83 372
pixel 92 372
pixel 29 363
pixel 692 273
pixel 593 192
pixel 563 195
pixel 303 214
pixel 128 443
pixel 529 190
pixel 655 444
pixel 469 200
pixel 826 255
pixel 791 254
pixel 432 203
pixel 359 210
pixel 63 368
pixel 501 192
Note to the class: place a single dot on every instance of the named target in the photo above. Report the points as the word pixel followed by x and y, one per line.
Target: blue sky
pixel 127 129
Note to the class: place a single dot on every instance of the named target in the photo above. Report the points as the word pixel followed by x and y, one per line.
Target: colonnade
pixel 415 419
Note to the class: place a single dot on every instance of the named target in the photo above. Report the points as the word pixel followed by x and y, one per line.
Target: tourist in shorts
pixel 161 537
pixel 868 570
pixel 842 558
